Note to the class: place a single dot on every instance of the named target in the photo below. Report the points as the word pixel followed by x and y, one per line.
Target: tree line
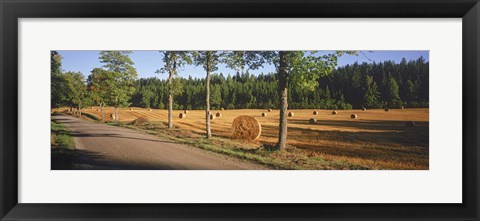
pixel 366 85
pixel 303 79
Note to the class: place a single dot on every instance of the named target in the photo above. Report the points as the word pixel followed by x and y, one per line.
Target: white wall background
pixel 441 184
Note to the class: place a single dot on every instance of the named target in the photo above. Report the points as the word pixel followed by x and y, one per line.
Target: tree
pixel 300 67
pixel 370 99
pixel 122 77
pixel 173 60
pixel 392 97
pixel 77 90
pixel 57 93
pixel 209 60
pixel 99 83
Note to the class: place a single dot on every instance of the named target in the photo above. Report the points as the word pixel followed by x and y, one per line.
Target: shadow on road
pixel 63 159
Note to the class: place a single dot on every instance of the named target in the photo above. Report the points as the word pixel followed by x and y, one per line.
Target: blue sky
pixel 147 62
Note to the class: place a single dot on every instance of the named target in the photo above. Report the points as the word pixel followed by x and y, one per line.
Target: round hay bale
pixel 149 109
pixel 290 114
pixel 218 114
pixel 353 116
pixel 140 121
pixel 246 128
pixel 131 109
pixel 112 115
pixel 312 121
pixel 269 110
pixel 91 107
pixel 223 109
pixel 387 110
pixel 334 112
pixel 212 116
pixel 315 112
pixel 364 109
pixel 182 115
pixel 403 107
pixel 98 109
pixel 185 111
pixel 264 114
pixel 410 124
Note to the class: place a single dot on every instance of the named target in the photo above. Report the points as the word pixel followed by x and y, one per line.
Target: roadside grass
pixel 289 159
pixel 62 146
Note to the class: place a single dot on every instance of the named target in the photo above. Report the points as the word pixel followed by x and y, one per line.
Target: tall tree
pixel 209 60
pixel 371 97
pixel 124 74
pixel 173 60
pixel 303 68
pixel 77 90
pixel 100 83
pixel 57 92
pixel 392 97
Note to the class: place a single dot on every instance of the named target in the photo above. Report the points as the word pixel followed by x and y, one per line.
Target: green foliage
pixel 334 91
pixel 391 94
pixel 57 93
pixel 173 61
pixel 77 95
pixel 372 96
pixel 120 77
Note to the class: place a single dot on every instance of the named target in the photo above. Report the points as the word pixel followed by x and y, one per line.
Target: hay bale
pixel 223 109
pixel 353 116
pixel 112 115
pixel 212 117
pixel 149 109
pixel 403 107
pixel 264 114
pixel 246 128
pixel 364 109
pixel 185 111
pixel 182 115
pixel 315 112
pixel 269 110
pixel 140 121
pixel 387 110
pixel 410 124
pixel 218 114
pixel 131 109
pixel 334 112
pixel 91 107
pixel 98 109
pixel 312 121
pixel 290 114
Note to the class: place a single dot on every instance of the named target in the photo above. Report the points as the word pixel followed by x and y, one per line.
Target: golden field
pixel 375 140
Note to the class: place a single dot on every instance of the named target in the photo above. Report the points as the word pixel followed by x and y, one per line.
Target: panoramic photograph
pixel 239 110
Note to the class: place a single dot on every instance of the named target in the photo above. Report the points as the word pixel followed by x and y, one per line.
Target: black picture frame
pixel 12 10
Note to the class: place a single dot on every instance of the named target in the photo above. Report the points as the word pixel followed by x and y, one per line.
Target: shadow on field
pixel 391 141
pixel 364 124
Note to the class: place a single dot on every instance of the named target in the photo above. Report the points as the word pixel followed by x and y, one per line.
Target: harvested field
pixel 377 139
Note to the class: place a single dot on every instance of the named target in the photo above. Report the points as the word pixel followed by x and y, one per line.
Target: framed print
pixel 322 110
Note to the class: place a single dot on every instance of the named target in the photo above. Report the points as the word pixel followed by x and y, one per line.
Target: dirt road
pixel 104 147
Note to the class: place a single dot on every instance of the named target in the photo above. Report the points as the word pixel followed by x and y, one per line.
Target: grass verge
pixel 62 146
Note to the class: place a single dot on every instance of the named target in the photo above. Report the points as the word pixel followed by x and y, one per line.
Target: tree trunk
pixel 170 102
pixel 116 109
pixel 207 101
pixel 79 111
pixel 103 113
pixel 283 94
pixel 116 114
